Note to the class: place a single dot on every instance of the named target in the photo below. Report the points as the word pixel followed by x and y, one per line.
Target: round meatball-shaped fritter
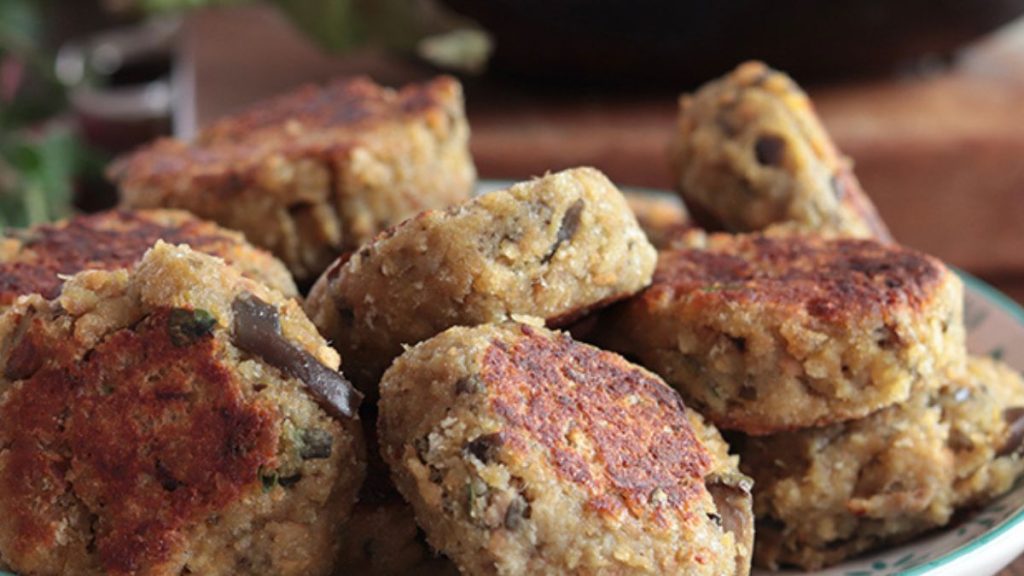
pixel 172 419
pixel 316 172
pixel 829 493
pixel 750 152
pixel 765 334
pixel 35 260
pixel 553 248
pixel 524 452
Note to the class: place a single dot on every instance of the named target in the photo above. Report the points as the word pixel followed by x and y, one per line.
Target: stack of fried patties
pixel 520 450
pixel 166 406
pixel 835 357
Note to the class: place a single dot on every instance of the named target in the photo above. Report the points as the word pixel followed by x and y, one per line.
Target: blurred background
pixel 927 96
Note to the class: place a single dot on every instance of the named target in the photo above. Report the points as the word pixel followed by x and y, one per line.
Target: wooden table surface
pixel 941 154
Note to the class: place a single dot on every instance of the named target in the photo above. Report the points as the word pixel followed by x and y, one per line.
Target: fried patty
pixel 524 452
pixel 985 412
pixel 553 248
pixel 750 152
pixel 175 418
pixel 764 334
pixel 35 260
pixel 316 172
pixel 827 494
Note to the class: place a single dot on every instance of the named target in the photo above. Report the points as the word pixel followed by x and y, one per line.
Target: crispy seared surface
pixel 33 261
pixel 832 280
pixel 767 333
pixel 186 432
pixel 316 172
pixel 136 437
pixel 525 452
pixel 306 121
pixel 343 104
pixel 613 404
pixel 749 152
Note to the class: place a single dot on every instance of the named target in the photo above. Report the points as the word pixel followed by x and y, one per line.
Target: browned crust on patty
pixel 766 333
pixel 342 103
pixel 118 239
pixel 830 279
pixel 128 444
pixel 536 383
pixel 524 452
pixel 143 433
pixel 225 154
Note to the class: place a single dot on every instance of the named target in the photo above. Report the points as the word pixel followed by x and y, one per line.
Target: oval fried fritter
pixel 985 412
pixel 316 172
pixel 136 437
pixel 35 260
pixel 750 152
pixel 765 334
pixel 524 452
pixel 829 493
pixel 825 494
pixel 553 248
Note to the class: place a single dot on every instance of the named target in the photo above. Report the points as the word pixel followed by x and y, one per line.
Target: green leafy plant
pixel 39 156
pixel 421 26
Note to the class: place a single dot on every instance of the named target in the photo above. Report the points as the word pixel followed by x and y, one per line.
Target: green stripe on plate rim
pixel 1017 312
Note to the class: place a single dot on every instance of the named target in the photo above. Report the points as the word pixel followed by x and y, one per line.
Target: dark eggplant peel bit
pixel 257 329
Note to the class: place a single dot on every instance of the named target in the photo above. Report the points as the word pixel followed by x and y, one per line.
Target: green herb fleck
pixel 269 480
pixel 185 326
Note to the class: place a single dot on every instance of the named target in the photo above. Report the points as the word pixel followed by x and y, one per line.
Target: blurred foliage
pixel 39 157
pixel 41 154
pixel 422 26
pixel 36 175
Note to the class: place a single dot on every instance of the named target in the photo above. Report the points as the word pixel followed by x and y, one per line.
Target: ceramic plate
pixel 987 540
